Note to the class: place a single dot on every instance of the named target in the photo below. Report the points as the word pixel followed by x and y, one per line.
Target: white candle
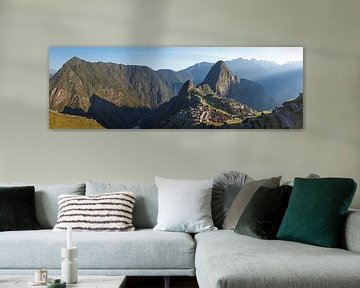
pixel 69 237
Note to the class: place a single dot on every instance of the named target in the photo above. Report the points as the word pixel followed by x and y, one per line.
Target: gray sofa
pixel 218 259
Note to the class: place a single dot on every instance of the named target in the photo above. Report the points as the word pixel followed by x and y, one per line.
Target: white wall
pixel 328 145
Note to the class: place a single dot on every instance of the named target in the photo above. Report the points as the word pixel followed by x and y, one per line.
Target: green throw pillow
pixel 316 211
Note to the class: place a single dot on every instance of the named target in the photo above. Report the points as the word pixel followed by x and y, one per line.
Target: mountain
pixel 197 72
pixel 161 118
pixel 254 69
pixel 212 104
pixel 283 84
pixel 122 85
pixel 51 72
pixel 243 68
pixel 251 94
pixel 132 96
pixel 115 95
pixel 174 80
pixel 109 115
pixel 250 69
pixel 222 81
pixel 193 109
pixel 115 117
pixel 280 82
pixel 140 86
pixel 288 116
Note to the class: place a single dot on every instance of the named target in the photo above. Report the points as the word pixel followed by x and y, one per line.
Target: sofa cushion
pixel 143 249
pixel 146 205
pixel 317 210
pixel 263 215
pixel 105 212
pixel 243 198
pixel 225 259
pixel 46 200
pixel 226 187
pixel 17 208
pixel 184 205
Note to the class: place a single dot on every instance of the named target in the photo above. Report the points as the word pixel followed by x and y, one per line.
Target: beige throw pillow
pixel 243 198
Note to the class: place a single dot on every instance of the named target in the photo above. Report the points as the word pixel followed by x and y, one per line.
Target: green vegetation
pixel 123 85
pixel 63 121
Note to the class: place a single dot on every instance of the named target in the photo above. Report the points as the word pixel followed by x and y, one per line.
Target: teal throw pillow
pixel 316 211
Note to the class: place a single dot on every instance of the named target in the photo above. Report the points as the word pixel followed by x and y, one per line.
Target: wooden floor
pixel 158 282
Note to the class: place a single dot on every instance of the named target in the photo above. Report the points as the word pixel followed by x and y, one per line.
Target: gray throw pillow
pixel 310 176
pixel 226 187
pixel 46 200
pixel 184 205
pixel 242 199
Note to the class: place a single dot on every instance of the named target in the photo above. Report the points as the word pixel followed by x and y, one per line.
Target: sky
pixel 175 58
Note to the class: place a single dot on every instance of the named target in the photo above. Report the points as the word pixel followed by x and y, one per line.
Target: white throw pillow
pixel 105 212
pixel 184 205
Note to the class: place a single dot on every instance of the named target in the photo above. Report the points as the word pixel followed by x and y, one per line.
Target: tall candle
pixel 69 237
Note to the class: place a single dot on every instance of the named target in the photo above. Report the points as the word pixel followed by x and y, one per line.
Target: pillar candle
pixel 69 237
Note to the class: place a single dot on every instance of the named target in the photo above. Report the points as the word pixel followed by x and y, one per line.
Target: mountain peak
pixel 220 62
pixel 219 65
pixel 75 60
pixel 188 85
pixel 219 78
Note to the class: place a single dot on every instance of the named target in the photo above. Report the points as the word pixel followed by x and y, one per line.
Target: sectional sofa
pixel 219 259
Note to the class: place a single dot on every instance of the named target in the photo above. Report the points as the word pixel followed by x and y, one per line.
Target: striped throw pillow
pixel 105 212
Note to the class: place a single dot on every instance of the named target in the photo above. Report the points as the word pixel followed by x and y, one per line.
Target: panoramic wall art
pixel 176 88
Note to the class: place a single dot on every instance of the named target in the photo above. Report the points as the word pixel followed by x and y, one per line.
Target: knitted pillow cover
pixel 105 212
pixel 316 211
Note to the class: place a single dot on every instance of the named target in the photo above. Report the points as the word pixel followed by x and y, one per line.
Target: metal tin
pixel 56 283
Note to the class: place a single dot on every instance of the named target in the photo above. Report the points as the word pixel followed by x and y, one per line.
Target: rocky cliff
pixel 220 79
pixel 287 116
pixel 225 84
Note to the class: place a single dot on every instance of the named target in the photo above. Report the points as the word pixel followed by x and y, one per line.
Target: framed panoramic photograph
pixel 176 88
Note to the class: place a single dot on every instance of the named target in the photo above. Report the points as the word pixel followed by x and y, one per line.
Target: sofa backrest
pixel 146 203
pixel 351 236
pixel 46 200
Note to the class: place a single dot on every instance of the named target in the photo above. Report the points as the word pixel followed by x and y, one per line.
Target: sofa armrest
pixel 351 234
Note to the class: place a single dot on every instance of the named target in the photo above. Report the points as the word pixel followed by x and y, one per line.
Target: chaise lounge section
pixel 225 259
